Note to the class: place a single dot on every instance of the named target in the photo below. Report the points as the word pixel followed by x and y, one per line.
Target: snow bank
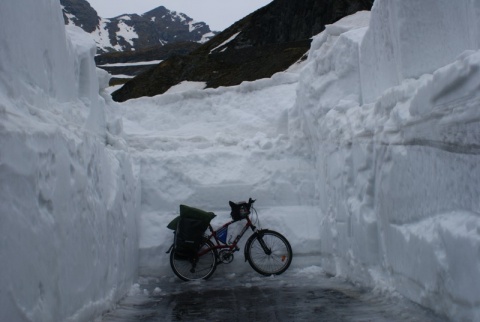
pixel 68 191
pixel 393 114
pixel 410 38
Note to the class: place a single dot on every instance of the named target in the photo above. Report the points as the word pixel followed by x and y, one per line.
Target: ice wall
pixel 68 191
pixel 394 120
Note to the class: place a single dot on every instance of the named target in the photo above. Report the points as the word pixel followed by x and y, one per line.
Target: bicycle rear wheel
pixel 196 267
pixel 269 252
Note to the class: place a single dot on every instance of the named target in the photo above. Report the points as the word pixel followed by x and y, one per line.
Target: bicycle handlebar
pixel 251 201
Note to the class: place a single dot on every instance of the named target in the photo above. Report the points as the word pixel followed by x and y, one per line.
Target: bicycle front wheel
pixel 269 252
pixel 196 267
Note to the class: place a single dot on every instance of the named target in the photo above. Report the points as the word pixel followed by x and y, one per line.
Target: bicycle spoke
pixel 203 268
pixel 268 263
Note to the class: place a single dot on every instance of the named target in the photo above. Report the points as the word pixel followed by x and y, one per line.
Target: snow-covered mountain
pixel 366 157
pixel 133 32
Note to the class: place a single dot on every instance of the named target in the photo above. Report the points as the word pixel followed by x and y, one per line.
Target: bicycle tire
pixel 269 264
pixel 204 268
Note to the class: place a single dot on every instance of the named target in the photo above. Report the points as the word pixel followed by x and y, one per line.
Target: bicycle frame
pixel 219 244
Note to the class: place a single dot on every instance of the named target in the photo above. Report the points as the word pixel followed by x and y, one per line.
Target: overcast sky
pixel 218 14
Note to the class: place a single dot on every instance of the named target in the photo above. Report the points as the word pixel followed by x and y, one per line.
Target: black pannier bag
pixel 188 237
pixel 189 229
pixel 240 210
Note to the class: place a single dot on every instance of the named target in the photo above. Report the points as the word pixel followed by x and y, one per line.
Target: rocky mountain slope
pixel 265 42
pixel 124 65
pixel 132 32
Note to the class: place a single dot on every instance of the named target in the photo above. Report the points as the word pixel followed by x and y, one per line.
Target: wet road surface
pixel 300 294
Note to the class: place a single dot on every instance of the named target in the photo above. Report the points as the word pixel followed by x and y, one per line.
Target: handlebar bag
pixel 240 210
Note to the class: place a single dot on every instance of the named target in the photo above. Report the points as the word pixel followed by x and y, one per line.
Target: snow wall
pixel 68 192
pixel 393 116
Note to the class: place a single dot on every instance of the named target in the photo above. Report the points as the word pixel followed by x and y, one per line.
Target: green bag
pixel 192 213
pixel 189 229
pixel 173 224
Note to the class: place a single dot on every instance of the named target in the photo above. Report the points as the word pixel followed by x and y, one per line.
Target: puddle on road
pixel 297 295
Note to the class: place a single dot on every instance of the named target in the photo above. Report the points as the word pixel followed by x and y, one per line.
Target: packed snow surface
pixel 365 156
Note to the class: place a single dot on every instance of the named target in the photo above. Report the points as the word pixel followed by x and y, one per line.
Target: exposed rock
pixel 127 60
pixel 265 42
pixel 81 14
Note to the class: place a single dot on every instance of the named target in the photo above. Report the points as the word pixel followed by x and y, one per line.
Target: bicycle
pixel 268 252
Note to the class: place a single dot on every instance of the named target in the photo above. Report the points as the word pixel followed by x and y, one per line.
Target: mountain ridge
pixel 267 41
pixel 131 32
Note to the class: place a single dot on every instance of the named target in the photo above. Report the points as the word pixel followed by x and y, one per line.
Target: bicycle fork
pixel 265 248
pixel 258 234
